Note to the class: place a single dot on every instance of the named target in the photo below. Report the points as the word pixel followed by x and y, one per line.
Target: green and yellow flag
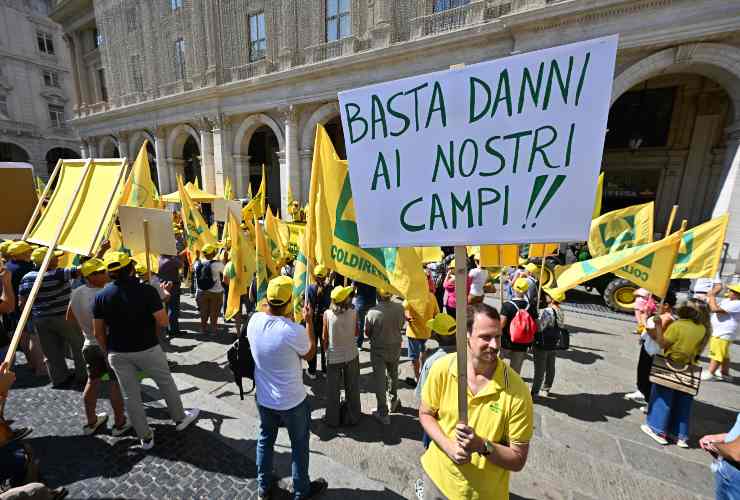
pixel 296 230
pixel 660 255
pixel 139 190
pixel 256 206
pixel 229 190
pixel 40 186
pixel 266 268
pixel 196 230
pixel 429 254
pixel 599 196
pixel 621 229
pixel 278 236
pixel 332 238
pixel 300 281
pixel 701 250
pixel 243 261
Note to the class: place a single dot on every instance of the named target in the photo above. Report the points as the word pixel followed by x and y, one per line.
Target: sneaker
pixel 682 443
pixel 722 377
pixel 317 487
pixel 148 442
pixel 396 406
pixel 190 417
pixel 311 376
pixel 644 409
pixel 120 431
pixel 635 396
pixel 419 489
pixel 101 419
pixel 707 376
pixel 384 419
pixel 411 382
pixel 658 439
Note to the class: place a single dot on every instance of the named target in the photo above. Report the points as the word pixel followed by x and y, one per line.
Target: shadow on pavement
pixel 205 370
pixel 581 355
pixel 590 407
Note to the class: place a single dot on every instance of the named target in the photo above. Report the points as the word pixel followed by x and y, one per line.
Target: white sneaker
pixel 644 409
pixel 384 419
pixel 311 376
pixel 708 376
pixel 635 396
pixel 120 431
pixel 101 419
pixel 190 417
pixel 148 442
pixel 720 377
pixel 682 443
pixel 658 439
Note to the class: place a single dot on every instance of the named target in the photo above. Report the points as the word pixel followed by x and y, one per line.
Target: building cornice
pixel 44 63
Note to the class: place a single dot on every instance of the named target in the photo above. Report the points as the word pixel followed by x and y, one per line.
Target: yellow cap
pixel 320 271
pixel 5 245
pixel 140 269
pixel 18 248
pixel 91 266
pixel 532 268
pixel 521 285
pixel 442 324
pixel 37 257
pixel 522 261
pixel 555 294
pixel 340 293
pixel 279 291
pixel 384 293
pixel 116 260
pixel 452 264
pixel 735 287
pixel 209 249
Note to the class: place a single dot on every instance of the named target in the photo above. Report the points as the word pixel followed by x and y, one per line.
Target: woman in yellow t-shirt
pixel 669 411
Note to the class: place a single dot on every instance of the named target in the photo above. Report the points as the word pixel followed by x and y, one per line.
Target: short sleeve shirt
pixel 383 323
pixel 686 337
pixel 501 413
pixel 725 326
pixel 217 269
pixel 127 307
pixel 478 278
pixel 53 295
pixel 82 303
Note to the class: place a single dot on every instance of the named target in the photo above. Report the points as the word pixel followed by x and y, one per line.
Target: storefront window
pixel 641 118
pixel 625 188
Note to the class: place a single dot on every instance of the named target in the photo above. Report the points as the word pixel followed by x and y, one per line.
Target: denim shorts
pixel 415 347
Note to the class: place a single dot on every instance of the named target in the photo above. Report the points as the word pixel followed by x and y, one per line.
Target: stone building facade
pixel 221 87
pixel 35 87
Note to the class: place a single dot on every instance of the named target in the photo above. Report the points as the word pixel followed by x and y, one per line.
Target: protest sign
pixel 16 190
pixel 221 209
pixel 161 237
pixel 505 151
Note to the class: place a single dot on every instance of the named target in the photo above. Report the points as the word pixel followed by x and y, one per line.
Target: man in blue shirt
pixel 725 449
pixel 320 300
pixel 365 299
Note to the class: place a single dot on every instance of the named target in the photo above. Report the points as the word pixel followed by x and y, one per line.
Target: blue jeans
pixel 298 422
pixel 173 309
pixel 12 464
pixel 669 412
pixel 726 481
pixel 361 314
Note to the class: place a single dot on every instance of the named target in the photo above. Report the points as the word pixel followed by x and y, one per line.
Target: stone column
pixel 728 200
pixel 176 167
pixel 221 152
pixel 382 31
pixel 241 174
pixel 207 169
pixel 82 77
pixel 288 35
pixel 306 157
pixel 84 149
pixel 291 174
pixel 164 177
pixel 75 71
pixel 124 149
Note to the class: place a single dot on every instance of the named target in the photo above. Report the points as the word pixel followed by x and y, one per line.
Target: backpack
pixel 523 327
pixel 204 276
pixel 549 337
pixel 241 361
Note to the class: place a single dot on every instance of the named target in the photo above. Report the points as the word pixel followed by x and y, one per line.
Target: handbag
pixel 564 340
pixel 683 377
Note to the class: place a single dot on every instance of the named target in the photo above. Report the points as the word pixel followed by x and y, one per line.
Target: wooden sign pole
pixel 461 302
pixel 539 282
pixel 42 269
pixel 146 248
pixel 672 218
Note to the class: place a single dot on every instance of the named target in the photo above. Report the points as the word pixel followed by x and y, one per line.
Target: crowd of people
pixel 89 312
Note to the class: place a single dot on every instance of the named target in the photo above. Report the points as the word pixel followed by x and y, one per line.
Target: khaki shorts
pixel 97 365
pixel 209 303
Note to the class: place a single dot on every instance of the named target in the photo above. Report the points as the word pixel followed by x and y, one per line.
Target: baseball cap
pixel 384 293
pixel 37 257
pixel 320 271
pixel 116 260
pixel 279 291
pixel 555 294
pixel 735 287
pixel 443 324
pixel 340 293
pixel 92 266
pixel 5 245
pixel 521 285
pixel 140 269
pixel 451 265
pixel 532 268
pixel 209 249
pixel 18 248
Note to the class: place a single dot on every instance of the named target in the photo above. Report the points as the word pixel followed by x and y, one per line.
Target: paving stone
pixel 575 436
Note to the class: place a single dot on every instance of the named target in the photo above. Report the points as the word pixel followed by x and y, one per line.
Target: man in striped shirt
pixel 48 312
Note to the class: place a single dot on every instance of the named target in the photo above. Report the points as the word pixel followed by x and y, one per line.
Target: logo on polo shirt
pixel 495 407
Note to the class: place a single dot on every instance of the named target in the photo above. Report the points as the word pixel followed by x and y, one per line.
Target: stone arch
pixel 177 137
pixel 107 147
pixel 322 115
pixel 249 125
pixel 59 153
pixel 13 151
pixel 137 138
pixel 719 62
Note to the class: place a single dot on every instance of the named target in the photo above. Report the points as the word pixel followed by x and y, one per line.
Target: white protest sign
pixel 505 151
pixel 222 207
pixel 161 236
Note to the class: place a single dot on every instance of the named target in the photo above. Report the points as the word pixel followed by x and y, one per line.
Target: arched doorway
pixel 108 148
pixel 665 143
pixel 56 154
pixel 137 139
pixel 13 152
pixel 336 133
pixel 263 150
pixel 191 157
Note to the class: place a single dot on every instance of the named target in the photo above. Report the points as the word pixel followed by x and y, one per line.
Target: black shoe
pixel 411 382
pixel 66 384
pixel 317 487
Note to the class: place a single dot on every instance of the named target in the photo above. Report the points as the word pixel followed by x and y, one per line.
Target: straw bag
pixel 677 376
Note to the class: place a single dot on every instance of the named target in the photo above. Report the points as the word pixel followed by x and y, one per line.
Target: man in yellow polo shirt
pixel 473 461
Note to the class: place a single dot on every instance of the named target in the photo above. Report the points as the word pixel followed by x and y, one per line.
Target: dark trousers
pixel 644 365
pixel 173 309
pixel 343 376
pixel 320 349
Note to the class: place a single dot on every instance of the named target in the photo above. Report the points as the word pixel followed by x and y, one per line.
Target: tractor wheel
pixel 620 295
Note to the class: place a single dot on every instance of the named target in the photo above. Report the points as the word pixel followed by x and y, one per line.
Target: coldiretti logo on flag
pixel 197 232
pixel 265 265
pixel 300 280
pixel 662 250
pixel 243 261
pixel 620 229
pixel 701 249
pixel 653 271
pixel 296 230
pixel 332 238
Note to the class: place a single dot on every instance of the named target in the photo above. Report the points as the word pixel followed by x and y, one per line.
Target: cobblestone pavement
pixel 188 464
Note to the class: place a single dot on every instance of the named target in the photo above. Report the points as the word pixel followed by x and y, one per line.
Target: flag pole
pixel 501 274
pixel 539 281
pixel 44 266
pixel 146 249
pixel 461 301
pixel 671 218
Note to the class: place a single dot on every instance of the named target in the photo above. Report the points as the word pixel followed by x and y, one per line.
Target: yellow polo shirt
pixel 686 337
pixel 500 412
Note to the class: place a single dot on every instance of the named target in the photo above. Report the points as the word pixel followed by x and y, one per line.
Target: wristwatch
pixel 487 448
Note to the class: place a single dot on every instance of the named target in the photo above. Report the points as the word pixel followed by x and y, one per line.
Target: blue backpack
pixel 204 276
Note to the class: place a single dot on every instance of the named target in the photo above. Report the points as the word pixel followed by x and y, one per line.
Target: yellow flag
pixel 296 230
pixel 214 229
pixel 197 233
pixel 657 281
pixel 300 281
pixel 197 183
pixel 701 250
pixel 256 206
pixel 332 238
pixel 249 190
pixel 290 195
pixel 266 268
pixel 116 240
pixel 243 264
pixel 140 191
pixel 429 254
pixel 418 322
pixel 228 190
pixel 278 236
pixel 542 249
pixel 621 229
pixel 599 196
pixel 40 186
pixel 653 272
pixel 499 255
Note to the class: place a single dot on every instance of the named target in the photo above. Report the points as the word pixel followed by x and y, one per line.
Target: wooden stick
pixel 146 249
pixel 47 188
pixel 539 282
pixel 501 274
pixel 107 206
pixel 461 300
pixel 671 218
pixel 42 270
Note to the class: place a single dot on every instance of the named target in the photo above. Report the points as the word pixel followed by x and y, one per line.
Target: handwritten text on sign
pixel 506 151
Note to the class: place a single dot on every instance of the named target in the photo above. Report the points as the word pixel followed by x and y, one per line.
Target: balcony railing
pixel 448 20
pixel 330 50
pixel 251 70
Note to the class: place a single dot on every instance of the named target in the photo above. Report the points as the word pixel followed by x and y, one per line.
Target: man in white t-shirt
pixel 725 324
pixel 278 346
pixel 478 278
pixel 80 309
pixel 209 299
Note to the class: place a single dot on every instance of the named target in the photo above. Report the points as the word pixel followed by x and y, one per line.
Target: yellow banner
pixel 197 232
pixel 701 250
pixel 599 196
pixel 652 272
pixel 300 280
pixel 499 255
pixel 244 262
pixel 429 254
pixel 296 230
pixel 542 249
pixel 621 229
pixel 278 236
pixel 140 191
pixel 266 269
